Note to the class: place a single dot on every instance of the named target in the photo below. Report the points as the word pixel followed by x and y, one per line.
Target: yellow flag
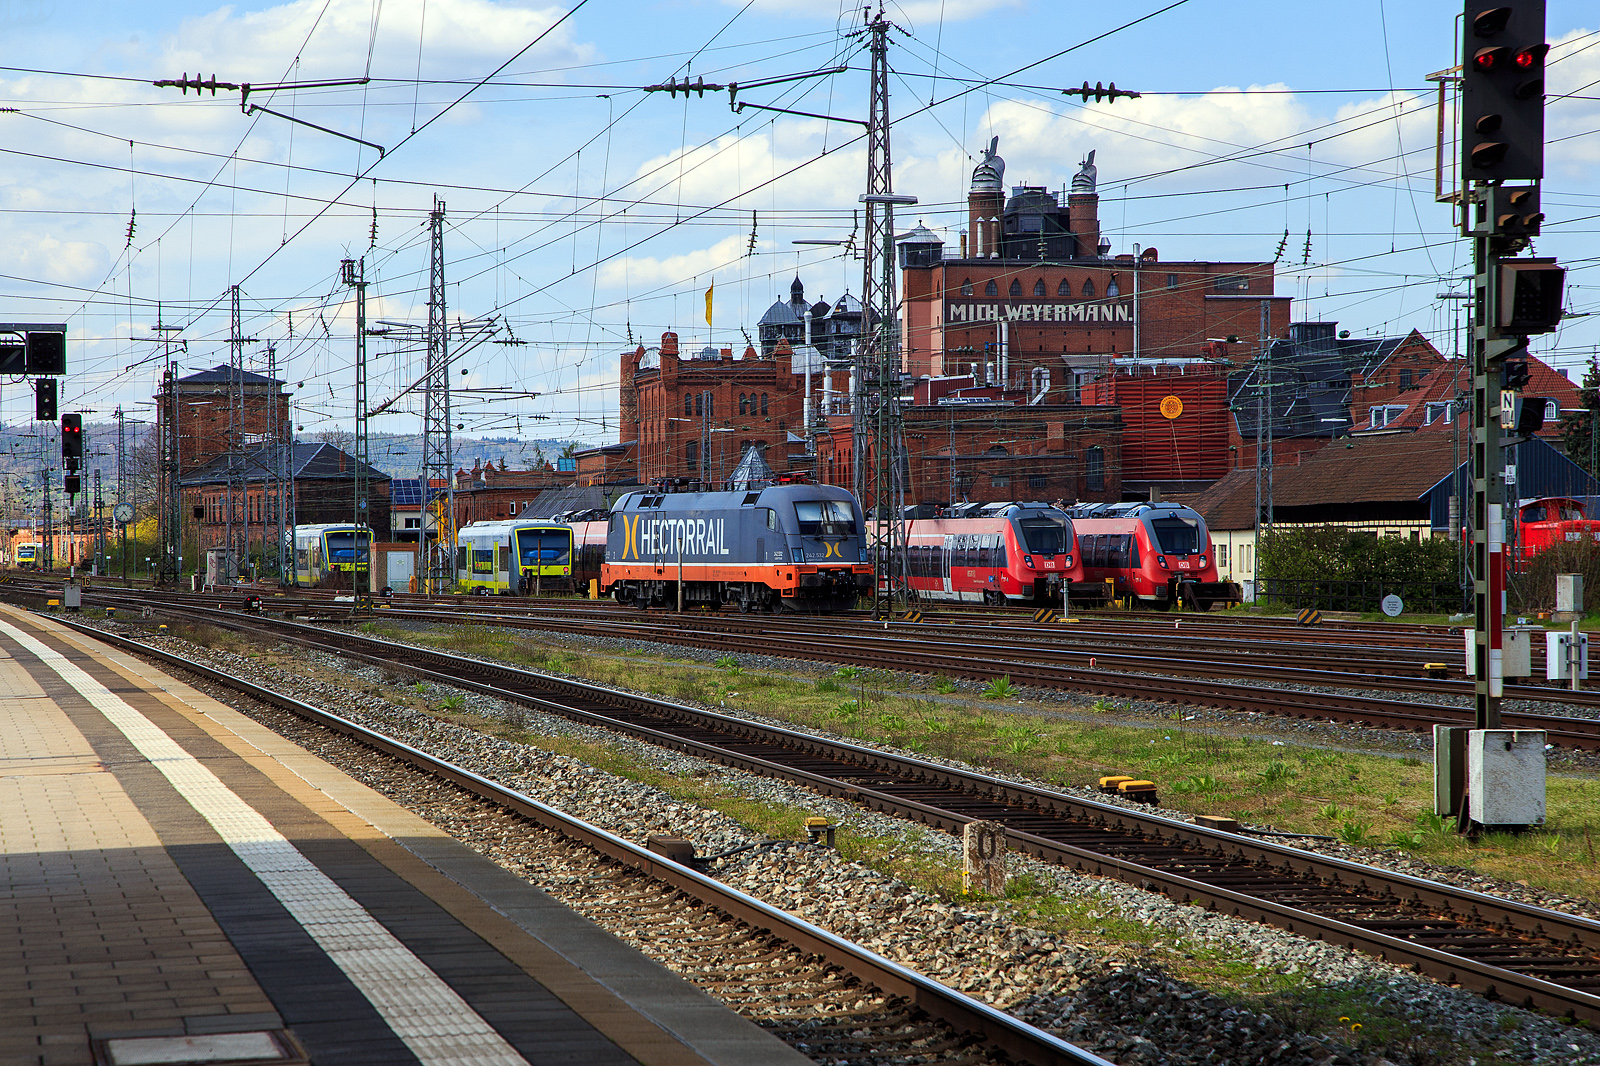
pixel 710 289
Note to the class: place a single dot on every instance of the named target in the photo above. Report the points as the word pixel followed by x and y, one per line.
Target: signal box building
pixel 203 419
pixel 1034 296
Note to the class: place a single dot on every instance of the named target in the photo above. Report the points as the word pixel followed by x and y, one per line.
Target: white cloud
pixel 643 273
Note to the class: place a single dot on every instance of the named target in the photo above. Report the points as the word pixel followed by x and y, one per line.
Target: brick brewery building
pixel 1038 365
pixel 1033 296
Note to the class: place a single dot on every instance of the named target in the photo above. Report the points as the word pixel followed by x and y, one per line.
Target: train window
pixel 1133 551
pixel 1043 535
pixel 750 497
pixel 1174 536
pixel 482 560
pixel 461 557
pixel 1000 552
pixel 985 554
pixel 772 518
pixel 823 518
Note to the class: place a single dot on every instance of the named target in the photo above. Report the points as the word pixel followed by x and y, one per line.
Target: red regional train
pixel 1012 553
pixel 1550 520
pixel 1158 553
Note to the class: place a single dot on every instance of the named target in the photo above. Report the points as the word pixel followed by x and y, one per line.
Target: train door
pixel 504 572
pixel 944 564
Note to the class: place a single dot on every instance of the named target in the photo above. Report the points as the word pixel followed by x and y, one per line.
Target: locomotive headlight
pixel 1202 560
pixel 1066 560
pixel 1027 560
pixel 1161 561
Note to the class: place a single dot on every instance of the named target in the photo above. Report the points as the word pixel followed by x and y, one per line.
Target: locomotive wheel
pixel 993 599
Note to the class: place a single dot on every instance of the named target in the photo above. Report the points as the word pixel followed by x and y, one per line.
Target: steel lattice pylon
pixel 879 460
pixel 438 554
pixel 354 274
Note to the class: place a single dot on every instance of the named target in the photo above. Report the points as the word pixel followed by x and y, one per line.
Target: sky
pixel 584 215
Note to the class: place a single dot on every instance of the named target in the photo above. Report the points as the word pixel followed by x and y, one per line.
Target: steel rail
pixel 1024 1042
pixel 1500 924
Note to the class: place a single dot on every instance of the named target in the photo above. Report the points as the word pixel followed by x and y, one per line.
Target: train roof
pixel 330 527
pixel 699 501
pixel 507 525
pixel 1125 510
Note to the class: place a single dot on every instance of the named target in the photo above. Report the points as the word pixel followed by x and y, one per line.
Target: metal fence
pixel 1428 597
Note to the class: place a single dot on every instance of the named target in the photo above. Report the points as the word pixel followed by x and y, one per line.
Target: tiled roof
pixel 218 375
pixel 1387 469
pixel 309 461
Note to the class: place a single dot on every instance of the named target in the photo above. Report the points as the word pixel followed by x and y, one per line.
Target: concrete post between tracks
pixel 983 848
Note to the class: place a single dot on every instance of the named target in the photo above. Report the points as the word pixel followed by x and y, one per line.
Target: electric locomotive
pixel 1012 553
pixel 784 547
pixel 330 548
pixel 1157 553
pixel 514 557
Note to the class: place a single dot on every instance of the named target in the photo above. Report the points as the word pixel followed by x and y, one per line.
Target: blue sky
pixel 583 211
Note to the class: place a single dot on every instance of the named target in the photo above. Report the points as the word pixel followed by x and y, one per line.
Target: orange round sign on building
pixel 1171 407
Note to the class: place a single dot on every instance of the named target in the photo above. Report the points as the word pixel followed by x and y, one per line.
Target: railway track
pixel 1094 669
pixel 796 978
pixel 1523 954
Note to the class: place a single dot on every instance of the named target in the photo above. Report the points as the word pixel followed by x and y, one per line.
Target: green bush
pixel 1327 553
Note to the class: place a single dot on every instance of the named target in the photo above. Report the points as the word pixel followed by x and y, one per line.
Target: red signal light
pixel 1488 59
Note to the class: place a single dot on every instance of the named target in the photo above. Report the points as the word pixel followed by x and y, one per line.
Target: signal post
pixel 1488 775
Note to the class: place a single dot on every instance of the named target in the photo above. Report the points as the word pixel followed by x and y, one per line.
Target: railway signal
pixel 1502 92
pixel 1502 140
pixel 72 440
pixel 44 399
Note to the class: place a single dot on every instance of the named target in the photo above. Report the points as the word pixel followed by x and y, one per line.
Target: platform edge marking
pixel 438 1026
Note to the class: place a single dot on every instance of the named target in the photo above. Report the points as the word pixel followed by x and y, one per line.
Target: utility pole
pixel 438 557
pixel 877 433
pixel 170 514
pixel 1264 419
pixel 354 273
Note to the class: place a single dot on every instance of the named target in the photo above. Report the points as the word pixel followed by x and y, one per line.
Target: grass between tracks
pixel 1361 798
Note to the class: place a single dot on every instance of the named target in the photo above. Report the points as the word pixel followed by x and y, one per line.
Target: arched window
pixel 763 403
pixel 966 287
pixel 1016 287
pixel 699 403
pixel 744 404
pixel 991 289
pixel 1088 288
pixel 688 404
pixel 1065 288
pixel 1111 286
pixel 997 449
pixel 1038 287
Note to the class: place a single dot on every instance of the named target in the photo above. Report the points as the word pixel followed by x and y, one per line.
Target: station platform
pixel 182 885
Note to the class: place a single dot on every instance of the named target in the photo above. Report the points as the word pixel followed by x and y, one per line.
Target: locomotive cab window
pixel 1043 535
pixel 825 518
pixel 1174 536
pixel 772 518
